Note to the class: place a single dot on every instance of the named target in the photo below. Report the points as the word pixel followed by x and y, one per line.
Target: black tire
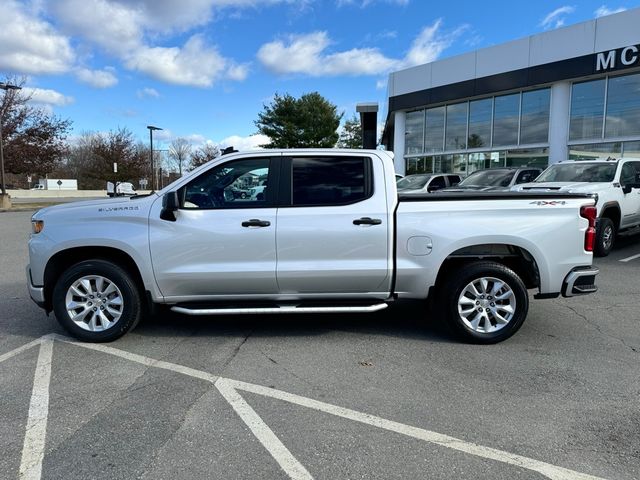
pixel 605 237
pixel 130 311
pixel 451 294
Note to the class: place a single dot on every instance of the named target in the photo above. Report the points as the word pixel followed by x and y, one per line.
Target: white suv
pixel 617 184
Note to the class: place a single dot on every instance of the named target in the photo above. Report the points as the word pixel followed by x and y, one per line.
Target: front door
pixel 223 240
pixel 631 203
pixel 333 231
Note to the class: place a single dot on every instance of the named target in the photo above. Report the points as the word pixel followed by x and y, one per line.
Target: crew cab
pixel 329 234
pixel 616 183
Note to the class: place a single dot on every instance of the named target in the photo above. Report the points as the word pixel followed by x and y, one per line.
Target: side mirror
pixel 629 186
pixel 170 204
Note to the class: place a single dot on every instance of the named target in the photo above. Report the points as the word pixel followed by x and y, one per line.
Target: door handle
pixel 254 222
pixel 367 221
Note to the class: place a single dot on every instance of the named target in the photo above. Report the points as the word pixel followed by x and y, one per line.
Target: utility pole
pixel 153 169
pixel 5 200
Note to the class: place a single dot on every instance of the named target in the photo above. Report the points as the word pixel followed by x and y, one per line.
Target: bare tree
pixel 180 153
pixel 205 153
pixel 92 156
pixel 34 141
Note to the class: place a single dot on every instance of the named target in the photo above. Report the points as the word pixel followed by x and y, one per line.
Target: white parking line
pixel 263 433
pixel 546 469
pixel 34 438
pixel 632 257
pixel 19 350
pixel 33 452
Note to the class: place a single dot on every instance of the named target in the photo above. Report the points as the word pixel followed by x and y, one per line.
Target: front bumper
pixel 36 293
pixel 580 281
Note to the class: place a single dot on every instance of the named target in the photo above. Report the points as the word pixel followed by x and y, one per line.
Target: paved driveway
pixel 389 395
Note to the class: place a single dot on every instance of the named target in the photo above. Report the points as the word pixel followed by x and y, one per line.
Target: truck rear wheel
pixel 605 237
pixel 97 301
pixel 485 302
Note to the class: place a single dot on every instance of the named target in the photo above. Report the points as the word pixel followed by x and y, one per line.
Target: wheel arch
pixel 611 210
pixel 64 259
pixel 517 258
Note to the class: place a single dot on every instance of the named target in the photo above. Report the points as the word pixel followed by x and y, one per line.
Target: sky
pixel 204 69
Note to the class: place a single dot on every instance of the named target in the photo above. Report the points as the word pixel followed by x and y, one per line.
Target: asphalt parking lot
pixel 387 395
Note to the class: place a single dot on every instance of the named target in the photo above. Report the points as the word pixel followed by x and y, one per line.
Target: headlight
pixel 37 226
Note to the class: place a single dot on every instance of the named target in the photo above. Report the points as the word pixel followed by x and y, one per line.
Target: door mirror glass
pixel 170 205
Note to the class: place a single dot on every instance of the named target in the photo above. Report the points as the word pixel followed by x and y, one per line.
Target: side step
pixel 280 309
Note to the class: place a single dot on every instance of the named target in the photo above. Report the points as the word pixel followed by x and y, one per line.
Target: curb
pixel 20 209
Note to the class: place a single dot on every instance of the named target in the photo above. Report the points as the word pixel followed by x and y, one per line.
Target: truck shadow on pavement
pixel 408 321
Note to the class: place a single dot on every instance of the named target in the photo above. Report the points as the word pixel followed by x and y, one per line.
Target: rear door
pixel 333 231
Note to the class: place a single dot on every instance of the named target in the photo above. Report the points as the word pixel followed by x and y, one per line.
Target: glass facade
pixel 434 134
pixel 587 110
pixel 480 112
pixel 436 139
pixel 456 132
pixel 623 106
pixel 414 136
pixel 534 116
pixel 506 120
pixel 466 163
pixel 513 129
pixel 602 111
pixel 591 151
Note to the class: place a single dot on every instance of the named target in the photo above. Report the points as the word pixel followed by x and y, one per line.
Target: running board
pixel 282 309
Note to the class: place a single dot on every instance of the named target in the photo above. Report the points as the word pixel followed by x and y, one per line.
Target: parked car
pixel 617 184
pixel 427 182
pixel 496 179
pixel 334 237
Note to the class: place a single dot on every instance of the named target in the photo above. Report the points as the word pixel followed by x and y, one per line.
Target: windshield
pixel 488 178
pixel 579 172
pixel 413 182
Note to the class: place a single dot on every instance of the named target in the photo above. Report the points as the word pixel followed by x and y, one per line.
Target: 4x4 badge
pixel 542 203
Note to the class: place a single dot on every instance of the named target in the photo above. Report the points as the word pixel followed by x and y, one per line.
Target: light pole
pixel 5 87
pixel 151 129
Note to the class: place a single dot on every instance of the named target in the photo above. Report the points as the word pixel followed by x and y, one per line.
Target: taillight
pixel 590 235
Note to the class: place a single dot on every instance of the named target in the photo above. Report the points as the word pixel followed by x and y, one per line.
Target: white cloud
pixel 148 92
pixel 30 45
pixel 557 18
pixel 306 54
pixel 430 44
pixel 123 29
pixel 47 97
pixel 194 64
pixel 97 78
pixel 114 26
pixel 252 142
pixel 604 10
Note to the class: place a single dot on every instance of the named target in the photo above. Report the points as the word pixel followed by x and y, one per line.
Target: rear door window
pixel 330 181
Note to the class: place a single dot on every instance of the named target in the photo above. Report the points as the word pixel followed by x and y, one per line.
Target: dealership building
pixel 569 93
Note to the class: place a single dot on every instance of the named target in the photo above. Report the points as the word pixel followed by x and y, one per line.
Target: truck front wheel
pixel 605 236
pixel 96 301
pixel 485 302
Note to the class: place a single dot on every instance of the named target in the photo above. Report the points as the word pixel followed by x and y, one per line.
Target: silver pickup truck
pixel 328 232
